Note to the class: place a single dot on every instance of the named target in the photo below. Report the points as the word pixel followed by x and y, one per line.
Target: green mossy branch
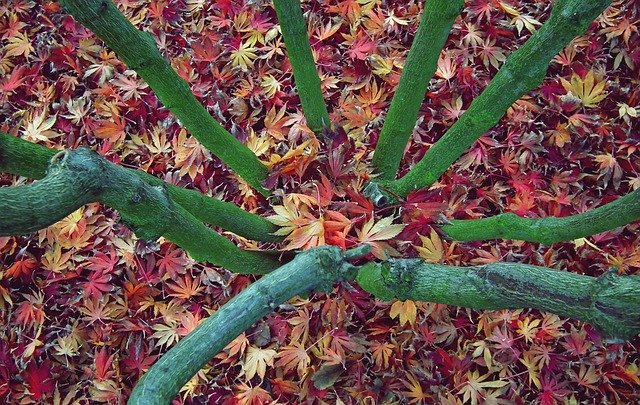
pixel 610 303
pixel 139 52
pixel 305 74
pixel 550 229
pixel 77 177
pixel 27 159
pixel 312 270
pixel 437 18
pixel 523 71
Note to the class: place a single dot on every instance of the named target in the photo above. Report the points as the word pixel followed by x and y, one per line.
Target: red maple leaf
pixel 38 379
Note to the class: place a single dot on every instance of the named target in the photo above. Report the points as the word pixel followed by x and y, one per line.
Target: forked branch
pixel 30 160
pixel 523 70
pixel 316 269
pixel 77 177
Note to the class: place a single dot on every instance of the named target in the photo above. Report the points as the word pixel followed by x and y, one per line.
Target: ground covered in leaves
pixel 86 307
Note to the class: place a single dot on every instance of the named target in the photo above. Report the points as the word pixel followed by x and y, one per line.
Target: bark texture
pixel 316 269
pixel 306 77
pixel 421 64
pixel 523 71
pixel 550 229
pixel 610 303
pixel 27 159
pixel 139 51
pixel 77 177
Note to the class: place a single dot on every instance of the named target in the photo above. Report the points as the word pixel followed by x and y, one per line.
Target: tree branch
pixel 610 303
pixel 27 159
pixel 139 51
pixel 305 74
pixel 523 71
pixel 437 18
pixel 315 269
pixel 550 229
pixel 77 177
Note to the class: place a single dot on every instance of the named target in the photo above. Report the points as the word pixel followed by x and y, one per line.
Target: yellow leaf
pixel 586 90
pixel 381 66
pixel 19 44
pixel 382 230
pixel 432 249
pixel 257 360
pixel 406 310
pixel 243 57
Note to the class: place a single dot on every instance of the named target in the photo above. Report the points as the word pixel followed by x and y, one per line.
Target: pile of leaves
pixel 86 307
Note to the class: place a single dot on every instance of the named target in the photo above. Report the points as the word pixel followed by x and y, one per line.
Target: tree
pixel 152 208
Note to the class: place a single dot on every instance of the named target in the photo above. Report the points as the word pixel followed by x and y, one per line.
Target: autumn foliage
pixel 86 307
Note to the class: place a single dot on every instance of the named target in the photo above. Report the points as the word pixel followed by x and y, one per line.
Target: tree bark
pixel 610 303
pixel 27 159
pixel 523 71
pixel 139 51
pixel 550 229
pixel 77 177
pixel 312 270
pixel 305 74
pixel 437 18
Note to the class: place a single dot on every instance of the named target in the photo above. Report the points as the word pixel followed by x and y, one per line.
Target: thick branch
pixel 311 270
pixel 551 229
pixel 139 51
pixel 523 71
pixel 77 177
pixel 421 64
pixel 305 74
pixel 27 159
pixel 610 303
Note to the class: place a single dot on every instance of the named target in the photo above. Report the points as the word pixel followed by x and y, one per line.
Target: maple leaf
pixel 528 328
pixel 360 46
pixel 102 362
pixel 137 360
pixel 252 395
pixel 31 312
pixel 532 369
pixel 294 356
pixel 19 44
pixel 300 331
pixel 97 283
pixel 406 310
pixel 473 389
pixel 586 377
pixel 382 352
pixel 185 287
pixel 447 66
pixel 586 90
pixel 609 169
pixel 173 262
pixel 22 268
pixel 112 129
pixel 416 392
pixel 372 233
pixel 39 380
pixel 13 81
pixel 432 249
pixel 256 361
pixel 243 56
pixel 190 155
pixel 39 127
pixel 167 335
pixel 129 84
